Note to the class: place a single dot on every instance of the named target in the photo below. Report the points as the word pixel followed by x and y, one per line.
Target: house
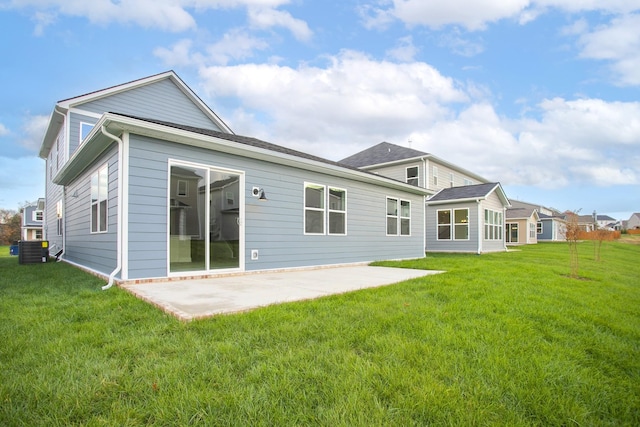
pixel 412 166
pixel 145 182
pixel 467 219
pixel 32 218
pixel 586 222
pixel 551 225
pixel 605 222
pixel 633 223
pixel 521 224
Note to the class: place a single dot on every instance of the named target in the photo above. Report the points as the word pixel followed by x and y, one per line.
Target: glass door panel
pixel 224 220
pixel 187 219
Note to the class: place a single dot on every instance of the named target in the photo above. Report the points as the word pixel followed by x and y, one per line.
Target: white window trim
pixel 342 211
pixel 99 199
pixel 498 227
pixel 435 175
pixel 398 216
pixel 326 210
pixel 416 177
pixel 34 215
pixel 452 225
pixel 539 226
pixel 451 179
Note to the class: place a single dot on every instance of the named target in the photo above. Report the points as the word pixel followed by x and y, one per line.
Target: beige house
pixel 521 224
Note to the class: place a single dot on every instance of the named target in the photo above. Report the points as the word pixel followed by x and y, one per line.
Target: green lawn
pixel 500 339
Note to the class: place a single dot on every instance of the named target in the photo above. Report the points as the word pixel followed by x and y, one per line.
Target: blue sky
pixel 542 96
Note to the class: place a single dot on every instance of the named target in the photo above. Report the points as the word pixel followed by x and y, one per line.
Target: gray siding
pixel 275 227
pixel 96 251
pixel 494 203
pixel 53 193
pixel 161 100
pixel 435 245
pixel 399 172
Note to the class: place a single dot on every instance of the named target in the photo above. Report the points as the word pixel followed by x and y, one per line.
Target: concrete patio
pixel 198 298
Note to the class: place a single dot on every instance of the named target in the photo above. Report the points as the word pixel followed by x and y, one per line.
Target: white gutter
pixel 120 209
pixel 480 226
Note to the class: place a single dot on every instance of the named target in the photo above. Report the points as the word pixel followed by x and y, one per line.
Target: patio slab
pixel 198 298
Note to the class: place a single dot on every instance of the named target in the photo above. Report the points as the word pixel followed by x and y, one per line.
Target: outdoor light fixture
pixel 259 193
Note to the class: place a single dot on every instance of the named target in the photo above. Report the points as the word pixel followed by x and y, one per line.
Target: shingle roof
pixel 382 153
pixel 246 140
pixel 465 192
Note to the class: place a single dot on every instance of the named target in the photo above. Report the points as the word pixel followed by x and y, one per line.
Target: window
pixel 37 215
pixel 337 211
pixel 451 180
pixel 412 176
pixel 435 175
pixel 539 228
pixel 532 230
pixel 85 129
pixel 468 181
pixel 38 234
pixel 183 188
pixel 459 226
pixel 99 194
pixel 325 210
pixel 59 218
pixel 492 225
pixel 398 217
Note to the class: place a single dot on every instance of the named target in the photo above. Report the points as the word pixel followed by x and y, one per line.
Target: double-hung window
pixel 398 217
pixel 99 196
pixel 325 210
pixel 453 224
pixel 412 175
pixel 492 225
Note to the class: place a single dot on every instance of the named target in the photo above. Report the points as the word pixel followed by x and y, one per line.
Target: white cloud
pixel 166 15
pixel 475 15
pixel 234 45
pixel 405 51
pixel 268 17
pixel 3 130
pixel 619 43
pixel 353 100
pixel 33 131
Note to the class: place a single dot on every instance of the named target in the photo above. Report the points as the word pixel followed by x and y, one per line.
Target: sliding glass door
pixel 204 219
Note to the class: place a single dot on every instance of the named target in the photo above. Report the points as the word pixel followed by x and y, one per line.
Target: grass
pixel 500 339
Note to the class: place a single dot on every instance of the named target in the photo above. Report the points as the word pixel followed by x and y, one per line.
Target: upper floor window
pixel 435 175
pixel 37 215
pixel 398 217
pixel 468 181
pixel 322 203
pixel 99 196
pixel 451 180
pixel 85 129
pixel 412 175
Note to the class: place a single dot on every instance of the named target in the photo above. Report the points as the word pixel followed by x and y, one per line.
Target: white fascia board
pixel 454 201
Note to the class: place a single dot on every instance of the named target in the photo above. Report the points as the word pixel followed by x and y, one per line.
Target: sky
pixel 542 96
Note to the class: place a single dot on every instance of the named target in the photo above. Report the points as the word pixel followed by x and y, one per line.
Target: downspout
pixel 120 209
pixel 64 196
pixel 480 226
pixel 424 220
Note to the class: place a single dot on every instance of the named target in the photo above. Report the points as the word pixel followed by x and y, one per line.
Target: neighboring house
pixel 32 220
pixel 412 166
pixel 552 224
pixel 521 226
pixel 587 222
pixel 552 228
pixel 467 219
pixel 144 181
pixel 633 222
pixel 606 222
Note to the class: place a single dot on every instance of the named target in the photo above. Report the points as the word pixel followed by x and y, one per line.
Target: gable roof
pixel 97 142
pixel 469 193
pixel 384 152
pixel 521 213
pixel 62 107
pixel 387 154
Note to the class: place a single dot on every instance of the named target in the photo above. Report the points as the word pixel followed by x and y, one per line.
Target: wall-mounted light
pixel 259 193
pixel 75 194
